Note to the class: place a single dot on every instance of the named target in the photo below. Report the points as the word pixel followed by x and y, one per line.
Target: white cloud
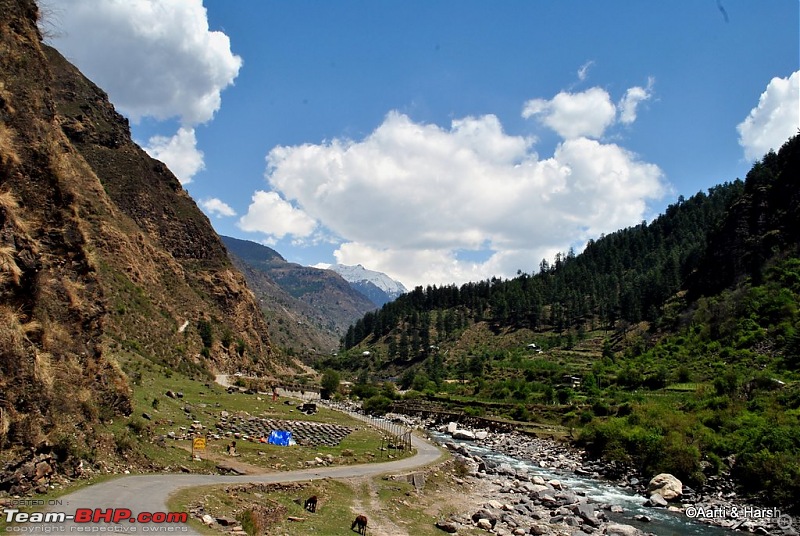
pixel 774 120
pixel 179 153
pixel 630 101
pixel 588 113
pixel 155 58
pixel 583 71
pixel 572 115
pixel 217 207
pixel 410 197
pixel 271 215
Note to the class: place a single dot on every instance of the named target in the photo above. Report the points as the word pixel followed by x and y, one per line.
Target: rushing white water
pixel 663 522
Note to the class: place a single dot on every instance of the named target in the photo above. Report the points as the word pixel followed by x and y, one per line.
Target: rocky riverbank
pixel 517 500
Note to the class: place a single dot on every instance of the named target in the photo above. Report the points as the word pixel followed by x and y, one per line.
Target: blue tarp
pixel 282 438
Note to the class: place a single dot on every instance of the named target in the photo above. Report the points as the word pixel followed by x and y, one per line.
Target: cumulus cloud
pixel 630 101
pixel 410 198
pixel 155 58
pixel 268 213
pixel 774 120
pixel 179 153
pixel 216 207
pixel 587 113
pixel 572 115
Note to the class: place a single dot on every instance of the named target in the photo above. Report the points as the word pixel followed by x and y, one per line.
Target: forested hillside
pixel 624 277
pixel 670 346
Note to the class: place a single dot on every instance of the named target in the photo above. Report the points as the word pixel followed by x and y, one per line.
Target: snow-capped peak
pixel 359 274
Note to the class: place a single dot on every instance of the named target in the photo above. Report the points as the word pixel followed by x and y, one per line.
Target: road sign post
pixel 198 443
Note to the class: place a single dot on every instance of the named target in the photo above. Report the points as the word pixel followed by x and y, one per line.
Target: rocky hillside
pixel 103 255
pixel 309 309
pixel 295 327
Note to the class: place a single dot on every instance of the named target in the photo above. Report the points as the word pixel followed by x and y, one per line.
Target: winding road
pixel 149 493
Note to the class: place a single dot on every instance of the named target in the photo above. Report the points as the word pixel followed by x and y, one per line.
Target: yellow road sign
pixel 199 443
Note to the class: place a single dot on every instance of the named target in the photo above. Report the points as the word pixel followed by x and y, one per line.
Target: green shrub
pixel 777 475
pixel 377 405
pixel 137 425
pixel 249 522
pixel 124 441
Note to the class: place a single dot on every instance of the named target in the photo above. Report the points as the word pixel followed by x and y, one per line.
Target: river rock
pixel 665 485
pixel 464 434
pixel 483 513
pixel 484 524
pixel 656 500
pixel 587 514
pixel 618 529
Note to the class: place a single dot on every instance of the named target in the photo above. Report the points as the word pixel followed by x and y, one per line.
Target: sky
pixel 441 141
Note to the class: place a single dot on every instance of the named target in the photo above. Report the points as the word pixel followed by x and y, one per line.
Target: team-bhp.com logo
pixel 92 516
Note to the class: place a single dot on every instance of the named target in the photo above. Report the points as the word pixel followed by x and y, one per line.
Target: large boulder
pixel 618 529
pixel 665 485
pixel 447 526
pixel 464 434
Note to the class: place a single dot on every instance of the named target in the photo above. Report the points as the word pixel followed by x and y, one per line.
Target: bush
pixel 376 405
pixel 777 475
pixel 137 426
pixel 680 459
pixel 206 333
pixel 520 413
pixel 124 441
pixel 252 523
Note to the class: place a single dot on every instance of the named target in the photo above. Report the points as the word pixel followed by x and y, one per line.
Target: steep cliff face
pixel 102 255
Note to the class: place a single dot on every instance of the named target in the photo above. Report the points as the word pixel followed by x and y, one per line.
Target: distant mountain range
pixel 308 309
pixel 378 287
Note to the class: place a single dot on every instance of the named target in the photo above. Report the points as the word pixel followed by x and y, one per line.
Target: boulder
pixel 43 469
pixel 586 512
pixel 665 485
pixel 538 530
pixel 484 524
pixel 618 529
pixel 463 434
pixel 447 526
pixel 484 514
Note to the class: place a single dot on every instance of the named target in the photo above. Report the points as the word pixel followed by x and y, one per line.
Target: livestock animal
pixel 360 524
pixel 311 504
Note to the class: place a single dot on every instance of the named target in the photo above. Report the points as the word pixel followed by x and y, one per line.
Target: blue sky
pixel 441 141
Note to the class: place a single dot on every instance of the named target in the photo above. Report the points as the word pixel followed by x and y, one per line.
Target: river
pixel 663 522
